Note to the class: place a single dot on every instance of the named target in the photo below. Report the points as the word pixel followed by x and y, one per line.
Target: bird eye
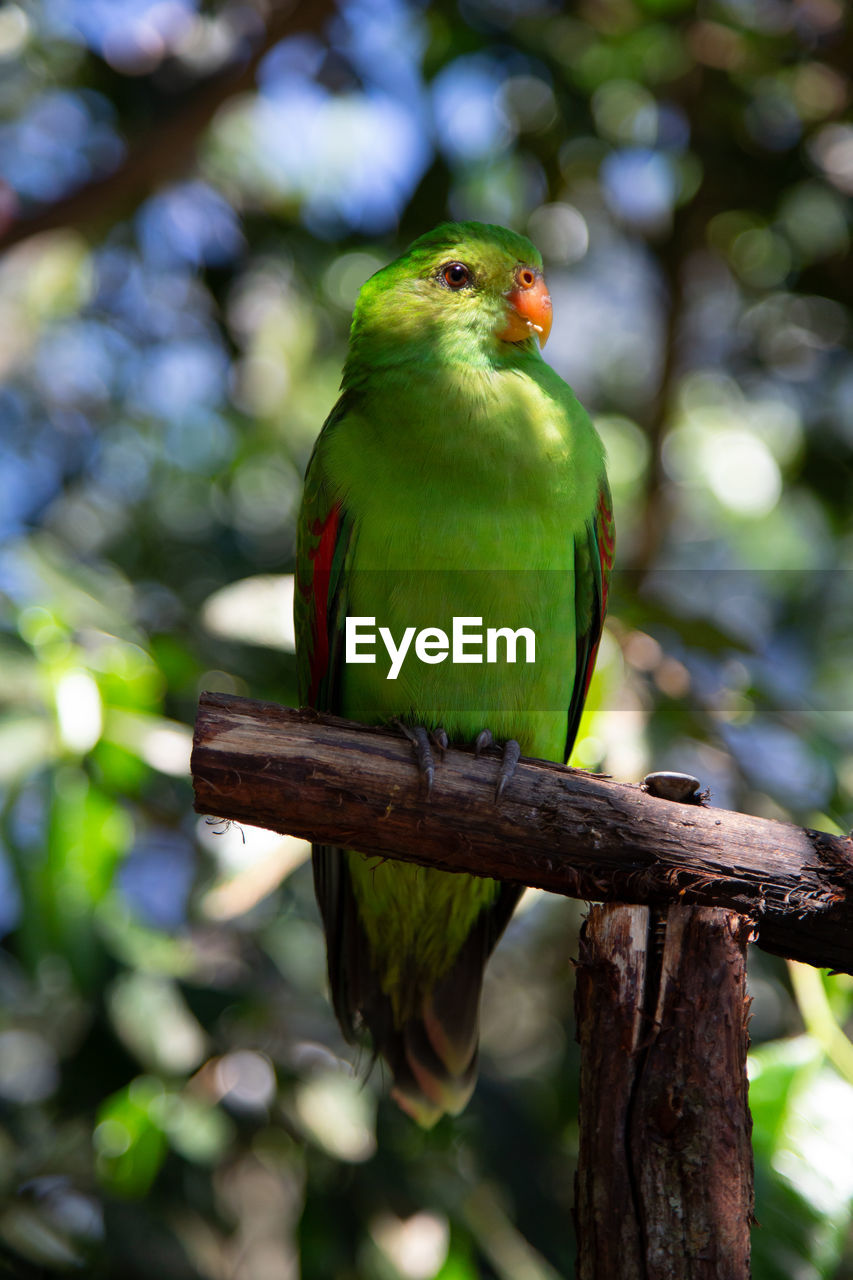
pixel 456 275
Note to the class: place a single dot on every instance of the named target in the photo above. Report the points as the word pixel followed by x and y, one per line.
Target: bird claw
pixel 424 758
pixel 511 757
pixel 423 742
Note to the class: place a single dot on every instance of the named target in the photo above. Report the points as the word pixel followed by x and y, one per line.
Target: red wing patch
pixel 606 538
pixel 317 592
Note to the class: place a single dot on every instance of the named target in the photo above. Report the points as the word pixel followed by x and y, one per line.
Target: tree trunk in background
pixel 664 1182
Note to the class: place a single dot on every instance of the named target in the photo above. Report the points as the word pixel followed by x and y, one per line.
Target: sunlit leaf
pixel 130 1144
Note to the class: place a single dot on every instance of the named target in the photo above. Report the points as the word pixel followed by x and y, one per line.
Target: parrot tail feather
pixel 426 1091
pixel 432 1049
pixel 434 1054
pixel 424 1087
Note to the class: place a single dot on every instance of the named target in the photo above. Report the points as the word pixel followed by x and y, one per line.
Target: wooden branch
pixel 167 148
pixel 558 829
pixel 664 1180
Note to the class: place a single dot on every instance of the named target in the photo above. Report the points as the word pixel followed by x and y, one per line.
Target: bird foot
pixel 510 757
pixel 422 744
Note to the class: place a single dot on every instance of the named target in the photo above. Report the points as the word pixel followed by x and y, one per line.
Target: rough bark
pixel 609 998
pixel 558 829
pixel 664 1183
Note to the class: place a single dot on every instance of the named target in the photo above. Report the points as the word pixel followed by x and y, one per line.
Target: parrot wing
pixel 324 555
pixel 593 563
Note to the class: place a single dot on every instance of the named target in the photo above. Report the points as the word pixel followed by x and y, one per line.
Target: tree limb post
pixel 664 1184
pixel 559 829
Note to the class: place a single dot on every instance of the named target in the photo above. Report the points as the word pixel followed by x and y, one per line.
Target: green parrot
pixel 457 478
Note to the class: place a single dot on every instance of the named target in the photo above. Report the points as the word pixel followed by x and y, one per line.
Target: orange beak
pixel 529 308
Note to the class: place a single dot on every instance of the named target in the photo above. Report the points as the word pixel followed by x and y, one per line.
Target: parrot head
pixel 463 289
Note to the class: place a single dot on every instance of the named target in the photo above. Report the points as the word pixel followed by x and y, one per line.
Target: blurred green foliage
pixel 175 1098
